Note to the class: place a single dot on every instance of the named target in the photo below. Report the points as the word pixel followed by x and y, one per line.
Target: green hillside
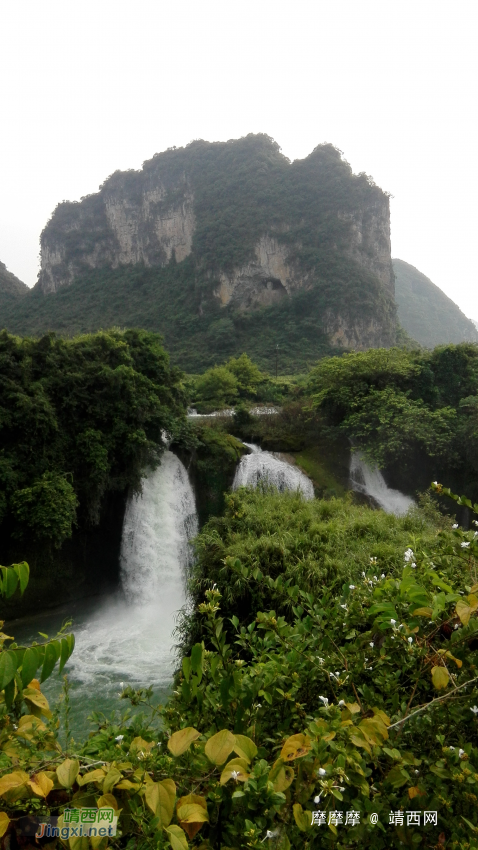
pixel 11 289
pixel 426 313
pixel 160 300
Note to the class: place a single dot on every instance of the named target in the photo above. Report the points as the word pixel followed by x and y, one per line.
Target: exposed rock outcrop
pixel 257 230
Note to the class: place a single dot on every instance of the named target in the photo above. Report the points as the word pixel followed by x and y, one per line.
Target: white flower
pixel 464 545
pixel 475 535
pixel 375 578
pixel 408 556
pixel 435 483
pixel 393 622
pixel 456 626
pixel 342 702
pixel 451 748
pixel 461 753
pixel 121 684
pixel 416 772
pixel 351 587
pixel 371 644
pixel 455 525
pixel 259 705
pixel 414 565
pixel 341 788
pixel 410 640
pixel 344 607
pixel 324 700
pixel 337 673
pixel 235 775
pixel 474 710
pixel 119 738
pixel 383 575
pixel 475 522
pixel 321 772
pixel 363 574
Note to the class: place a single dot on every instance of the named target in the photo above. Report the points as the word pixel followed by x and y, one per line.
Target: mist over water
pixel 264 467
pixel 129 638
pixel 370 481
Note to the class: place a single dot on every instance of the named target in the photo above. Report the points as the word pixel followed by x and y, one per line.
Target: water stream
pixel 259 466
pixel 369 480
pixel 128 638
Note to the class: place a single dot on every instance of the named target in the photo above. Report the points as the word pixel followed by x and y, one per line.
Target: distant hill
pixel 223 247
pixel 426 313
pixel 11 289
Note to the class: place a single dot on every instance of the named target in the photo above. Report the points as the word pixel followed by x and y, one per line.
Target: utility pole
pixel 277 357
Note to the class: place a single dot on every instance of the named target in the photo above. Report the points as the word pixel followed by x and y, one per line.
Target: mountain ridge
pixel 425 312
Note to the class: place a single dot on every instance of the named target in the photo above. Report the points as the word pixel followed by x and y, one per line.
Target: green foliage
pixel 413 409
pixel 357 695
pixel 48 507
pixel 247 374
pixel 426 313
pixel 217 387
pixel 79 419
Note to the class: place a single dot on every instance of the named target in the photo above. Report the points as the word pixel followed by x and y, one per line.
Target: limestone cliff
pixel 254 229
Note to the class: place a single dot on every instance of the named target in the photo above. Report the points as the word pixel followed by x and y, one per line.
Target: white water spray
pixel 370 481
pixel 130 638
pixel 264 466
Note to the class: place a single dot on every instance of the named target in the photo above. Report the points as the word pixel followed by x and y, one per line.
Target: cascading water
pixel 129 638
pixel 370 481
pixel 263 466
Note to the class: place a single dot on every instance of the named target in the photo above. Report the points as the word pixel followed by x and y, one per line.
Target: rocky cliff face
pixel 257 230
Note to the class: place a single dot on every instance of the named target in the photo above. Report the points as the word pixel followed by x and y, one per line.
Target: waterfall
pixel 370 481
pixel 264 466
pixel 128 638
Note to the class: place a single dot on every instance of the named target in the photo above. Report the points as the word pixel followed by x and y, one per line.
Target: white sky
pixel 88 87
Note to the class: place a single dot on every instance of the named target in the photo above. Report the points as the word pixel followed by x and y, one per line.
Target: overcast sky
pixel 88 87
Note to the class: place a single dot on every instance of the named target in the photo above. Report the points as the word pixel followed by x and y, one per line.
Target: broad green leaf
pixel 67 772
pixel 10 581
pixel 398 776
pixel 65 652
pixel 302 818
pixel 23 572
pixel 177 837
pixel 4 821
pixel 464 611
pixel 186 668
pixel 295 747
pixel 180 741
pixel 49 660
pixel 160 797
pixel 40 784
pixel 107 801
pixel 93 776
pixel 196 660
pixel 245 747
pixel 235 769
pixel 440 677
pixel 13 780
pixel 220 746
pixel 281 775
pixel 38 701
pixel 192 813
pixel 112 777
pixel 8 667
pixel 29 665
pixel 423 612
